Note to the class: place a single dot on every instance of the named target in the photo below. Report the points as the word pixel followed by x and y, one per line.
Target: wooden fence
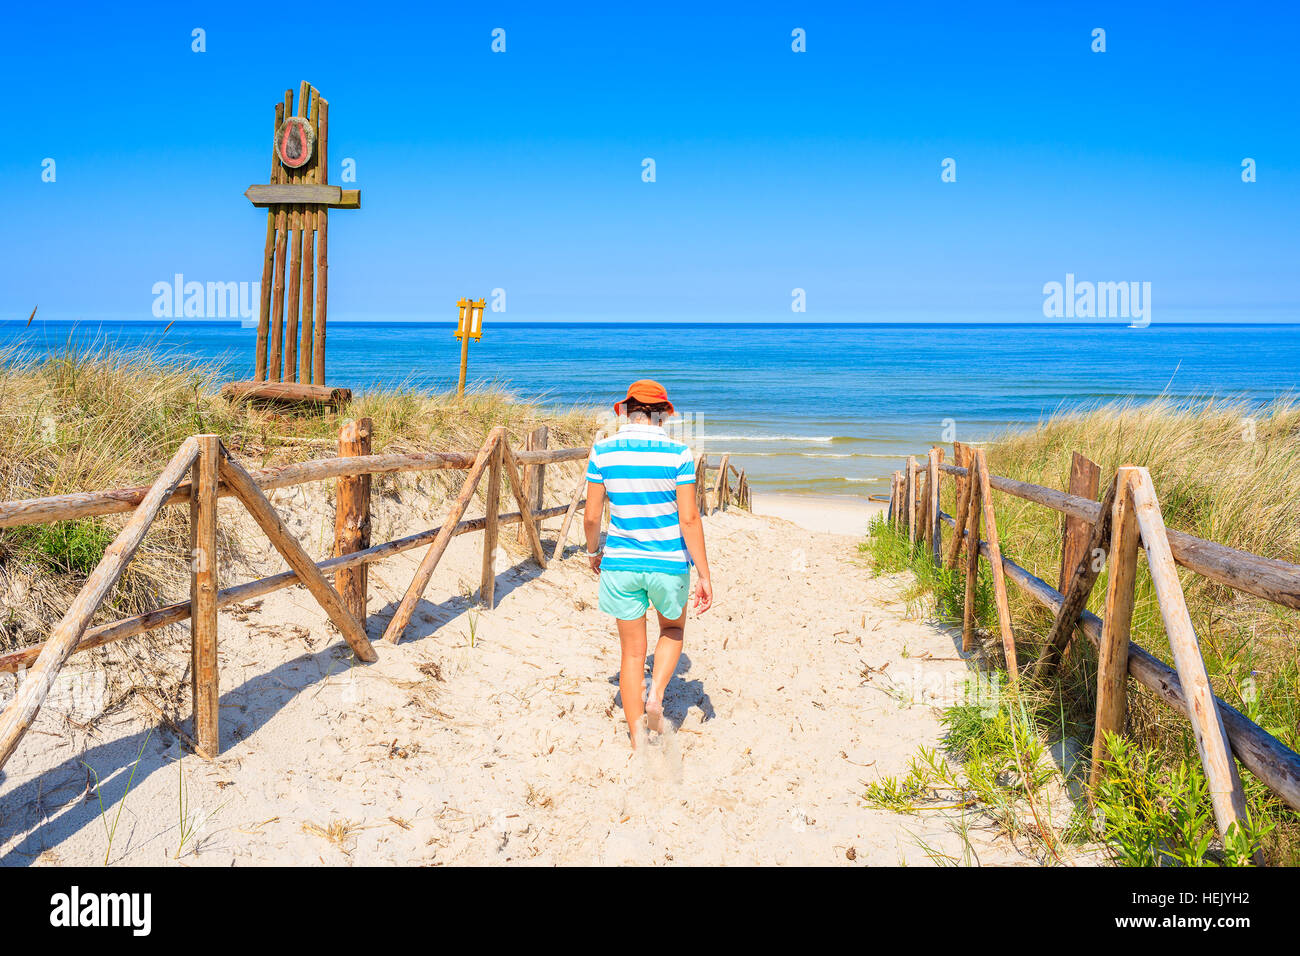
pixel 201 472
pixel 724 493
pixel 1127 516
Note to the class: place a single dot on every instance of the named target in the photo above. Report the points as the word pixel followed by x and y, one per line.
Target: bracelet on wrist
pixel 594 554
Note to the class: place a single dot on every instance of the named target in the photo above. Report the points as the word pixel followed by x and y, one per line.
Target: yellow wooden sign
pixel 469 325
pixel 470 319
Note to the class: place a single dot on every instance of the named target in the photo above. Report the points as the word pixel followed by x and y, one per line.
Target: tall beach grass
pixel 97 419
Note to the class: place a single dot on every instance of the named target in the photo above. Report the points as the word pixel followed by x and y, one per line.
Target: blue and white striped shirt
pixel 641 468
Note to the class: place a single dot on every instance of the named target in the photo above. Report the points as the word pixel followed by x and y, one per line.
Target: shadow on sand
pixel 680 695
pixel 59 801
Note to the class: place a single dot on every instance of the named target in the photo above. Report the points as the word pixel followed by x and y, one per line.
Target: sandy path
pixel 509 750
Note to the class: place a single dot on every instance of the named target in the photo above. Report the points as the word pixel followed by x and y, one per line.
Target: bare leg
pixel 667 652
pixel 631 673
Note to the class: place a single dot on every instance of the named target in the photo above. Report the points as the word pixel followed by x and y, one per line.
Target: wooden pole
pixel 962 455
pixel 204 585
pixel 309 256
pixel 934 524
pixel 26 704
pixel 911 499
pixel 352 518
pixel 999 578
pixel 1085 480
pixel 268 265
pixel 533 475
pixel 539 471
pixel 898 499
pixel 578 497
pixel 322 252
pixel 1112 651
pixel 487 589
pixel 278 282
pixel 1226 795
pixel 972 554
pixel 923 523
pixel 525 506
pixel 402 616
pixel 701 492
pixel 233 474
pixel 464 352
pixel 959 457
pixel 720 487
pixel 297 214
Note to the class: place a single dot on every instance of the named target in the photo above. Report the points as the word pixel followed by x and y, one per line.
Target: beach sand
pixel 829 514
pixel 491 737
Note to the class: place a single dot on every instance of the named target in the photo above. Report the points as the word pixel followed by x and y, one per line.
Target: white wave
pixel 814 438
pixel 816 454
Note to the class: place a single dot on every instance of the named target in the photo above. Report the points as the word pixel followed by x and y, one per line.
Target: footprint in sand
pixel 663 755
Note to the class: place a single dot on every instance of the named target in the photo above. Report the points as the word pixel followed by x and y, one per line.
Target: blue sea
pixel 804 408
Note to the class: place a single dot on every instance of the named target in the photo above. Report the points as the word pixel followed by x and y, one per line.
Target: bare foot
pixel 638 733
pixel 654 714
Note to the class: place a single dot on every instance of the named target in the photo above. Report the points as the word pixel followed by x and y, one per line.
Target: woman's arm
pixel 591 518
pixel 688 515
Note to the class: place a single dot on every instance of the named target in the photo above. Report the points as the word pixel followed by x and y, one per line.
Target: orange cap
pixel 648 391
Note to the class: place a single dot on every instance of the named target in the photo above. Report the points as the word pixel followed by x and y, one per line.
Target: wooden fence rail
pixel 1113 529
pixel 216 474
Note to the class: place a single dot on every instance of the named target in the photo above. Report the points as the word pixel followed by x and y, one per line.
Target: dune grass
pixel 1224 471
pixel 101 419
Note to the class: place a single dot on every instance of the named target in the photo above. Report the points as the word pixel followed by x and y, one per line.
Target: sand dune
pixel 494 736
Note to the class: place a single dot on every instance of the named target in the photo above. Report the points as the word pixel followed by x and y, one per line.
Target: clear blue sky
pixel 775 170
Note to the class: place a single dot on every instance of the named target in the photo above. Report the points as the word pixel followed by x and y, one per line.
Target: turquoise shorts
pixel 628 594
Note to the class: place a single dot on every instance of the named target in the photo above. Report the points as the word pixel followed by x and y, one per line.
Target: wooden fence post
pixel 1112 651
pixel 999 575
pixel 533 475
pixel 204 669
pixel 923 524
pixel 1226 794
pixel 720 489
pixel 959 459
pixel 935 525
pixel 701 494
pixel 898 500
pixel 487 591
pixel 352 519
pixel 973 512
pixel 962 457
pixel 1085 481
pixel 911 499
